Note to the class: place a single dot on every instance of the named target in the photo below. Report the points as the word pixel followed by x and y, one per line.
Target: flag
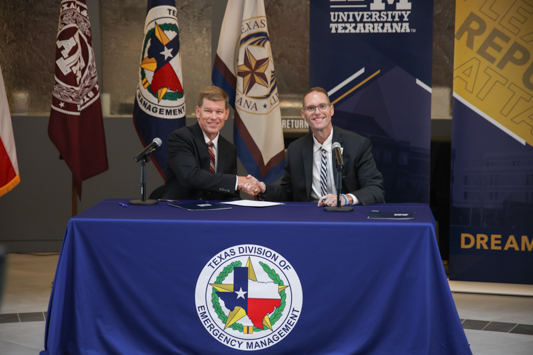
pixel 76 126
pixel 159 106
pixel 245 70
pixel 9 169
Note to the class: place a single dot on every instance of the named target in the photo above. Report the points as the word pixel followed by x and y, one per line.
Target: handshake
pixel 250 185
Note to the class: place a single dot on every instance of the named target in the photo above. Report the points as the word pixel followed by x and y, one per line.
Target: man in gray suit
pixel 201 164
pixel 310 173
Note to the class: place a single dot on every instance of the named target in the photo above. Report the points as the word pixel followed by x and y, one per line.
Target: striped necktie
pixel 324 173
pixel 211 157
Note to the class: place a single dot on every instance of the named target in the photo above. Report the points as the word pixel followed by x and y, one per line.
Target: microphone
pixel 149 148
pixel 340 165
pixel 338 154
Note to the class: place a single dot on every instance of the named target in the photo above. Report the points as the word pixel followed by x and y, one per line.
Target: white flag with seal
pixel 245 70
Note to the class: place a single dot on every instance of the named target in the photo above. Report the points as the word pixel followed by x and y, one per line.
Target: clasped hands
pixel 250 185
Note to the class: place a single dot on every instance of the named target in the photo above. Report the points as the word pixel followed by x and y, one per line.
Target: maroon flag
pixel 76 126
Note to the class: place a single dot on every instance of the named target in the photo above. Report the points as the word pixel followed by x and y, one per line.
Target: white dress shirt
pixel 215 146
pixel 317 163
pixel 215 149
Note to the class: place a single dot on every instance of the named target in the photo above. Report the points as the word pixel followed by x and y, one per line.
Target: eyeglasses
pixel 321 107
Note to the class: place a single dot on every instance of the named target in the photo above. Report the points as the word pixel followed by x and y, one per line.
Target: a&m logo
pixel 257 91
pixel 76 81
pixel 160 90
pixel 249 297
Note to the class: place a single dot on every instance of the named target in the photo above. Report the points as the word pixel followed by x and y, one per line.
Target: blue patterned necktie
pixel 324 173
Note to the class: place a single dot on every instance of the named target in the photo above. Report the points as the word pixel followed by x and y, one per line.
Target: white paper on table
pixel 252 203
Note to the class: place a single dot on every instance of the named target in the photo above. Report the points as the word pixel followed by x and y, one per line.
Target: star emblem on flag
pixel 249 297
pixel 253 71
pixel 161 52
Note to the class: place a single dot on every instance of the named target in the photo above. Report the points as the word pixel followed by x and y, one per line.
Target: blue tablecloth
pixel 132 280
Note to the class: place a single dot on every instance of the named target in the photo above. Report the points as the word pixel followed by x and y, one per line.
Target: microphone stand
pixel 339 208
pixel 143 200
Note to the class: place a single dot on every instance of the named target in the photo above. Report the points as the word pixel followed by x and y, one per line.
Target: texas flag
pixel 9 170
pixel 249 298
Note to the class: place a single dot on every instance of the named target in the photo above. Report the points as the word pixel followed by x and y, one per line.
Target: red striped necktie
pixel 211 157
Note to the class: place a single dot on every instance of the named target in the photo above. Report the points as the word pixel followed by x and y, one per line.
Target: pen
pixel 123 204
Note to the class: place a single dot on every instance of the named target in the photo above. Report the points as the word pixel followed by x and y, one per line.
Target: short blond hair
pixel 213 93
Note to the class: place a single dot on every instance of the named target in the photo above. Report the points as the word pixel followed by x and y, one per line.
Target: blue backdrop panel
pixel 390 100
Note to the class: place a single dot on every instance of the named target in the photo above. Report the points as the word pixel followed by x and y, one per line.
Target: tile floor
pixel 493 324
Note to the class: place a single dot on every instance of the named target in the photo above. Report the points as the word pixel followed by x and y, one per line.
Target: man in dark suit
pixel 310 172
pixel 201 164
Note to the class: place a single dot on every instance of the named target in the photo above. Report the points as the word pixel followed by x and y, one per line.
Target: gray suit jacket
pixel 360 174
pixel 187 172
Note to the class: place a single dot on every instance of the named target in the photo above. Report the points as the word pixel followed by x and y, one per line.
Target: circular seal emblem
pixel 249 297
pixel 257 91
pixel 76 80
pixel 160 90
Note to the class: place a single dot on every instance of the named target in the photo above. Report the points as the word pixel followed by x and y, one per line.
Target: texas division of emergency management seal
pixel 160 90
pixel 249 297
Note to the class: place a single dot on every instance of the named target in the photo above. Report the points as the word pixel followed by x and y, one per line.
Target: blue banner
pixel 374 58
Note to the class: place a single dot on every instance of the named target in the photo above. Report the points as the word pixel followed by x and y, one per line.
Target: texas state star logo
pixel 249 297
pixel 257 89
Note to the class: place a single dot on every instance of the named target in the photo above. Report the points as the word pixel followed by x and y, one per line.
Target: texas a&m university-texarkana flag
pixel 76 126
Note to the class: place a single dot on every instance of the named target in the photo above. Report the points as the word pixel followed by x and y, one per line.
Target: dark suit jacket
pixel 187 172
pixel 360 174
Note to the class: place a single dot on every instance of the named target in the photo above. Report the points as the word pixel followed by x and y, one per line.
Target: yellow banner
pixel 493 64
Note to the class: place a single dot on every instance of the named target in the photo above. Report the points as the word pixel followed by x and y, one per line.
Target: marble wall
pixel 443 41
pixel 27 46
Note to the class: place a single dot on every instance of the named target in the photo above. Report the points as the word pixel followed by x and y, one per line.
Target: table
pixel 290 279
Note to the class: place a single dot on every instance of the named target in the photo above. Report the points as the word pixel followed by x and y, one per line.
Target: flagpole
pixel 74 197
